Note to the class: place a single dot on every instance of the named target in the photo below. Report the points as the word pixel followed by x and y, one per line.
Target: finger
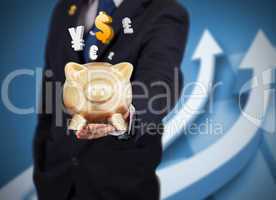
pixel 88 131
pixel 81 133
pixel 97 134
pixel 95 126
pixel 101 132
pixel 78 133
pixel 111 128
pixel 87 135
pixel 94 133
pixel 105 131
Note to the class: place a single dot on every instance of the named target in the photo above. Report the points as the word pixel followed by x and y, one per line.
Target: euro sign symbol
pixel 106 32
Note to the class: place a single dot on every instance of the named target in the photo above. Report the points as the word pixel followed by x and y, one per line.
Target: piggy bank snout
pixel 99 91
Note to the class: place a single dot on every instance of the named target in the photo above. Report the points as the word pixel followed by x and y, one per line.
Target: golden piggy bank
pixel 97 93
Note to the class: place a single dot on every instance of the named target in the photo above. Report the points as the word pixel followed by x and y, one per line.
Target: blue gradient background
pixel 234 25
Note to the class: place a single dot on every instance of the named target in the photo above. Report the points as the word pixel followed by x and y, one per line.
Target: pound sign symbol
pixel 77 38
pixel 127 25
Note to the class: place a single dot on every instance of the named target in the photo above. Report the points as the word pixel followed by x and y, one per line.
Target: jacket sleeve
pixel 44 118
pixel 158 69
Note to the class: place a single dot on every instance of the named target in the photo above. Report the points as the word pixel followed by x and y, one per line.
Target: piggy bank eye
pixel 98 91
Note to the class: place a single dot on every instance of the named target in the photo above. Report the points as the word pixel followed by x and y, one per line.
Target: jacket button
pixel 75 161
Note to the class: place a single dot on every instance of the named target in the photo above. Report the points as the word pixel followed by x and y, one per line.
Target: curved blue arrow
pixel 205 172
pixel 206 51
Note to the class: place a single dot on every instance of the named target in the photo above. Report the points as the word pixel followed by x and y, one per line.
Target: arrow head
pixel 261 54
pixel 207 47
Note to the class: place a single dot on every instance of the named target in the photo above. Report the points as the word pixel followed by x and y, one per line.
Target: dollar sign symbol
pixel 106 32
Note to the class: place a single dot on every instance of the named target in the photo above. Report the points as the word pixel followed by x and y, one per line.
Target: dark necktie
pixel 107 6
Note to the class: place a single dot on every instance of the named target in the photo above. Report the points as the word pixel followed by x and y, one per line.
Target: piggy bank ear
pixel 125 69
pixel 72 69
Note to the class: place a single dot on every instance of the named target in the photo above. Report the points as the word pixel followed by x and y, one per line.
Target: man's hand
pixel 94 131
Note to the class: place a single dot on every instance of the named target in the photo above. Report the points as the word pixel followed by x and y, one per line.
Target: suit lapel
pixel 129 8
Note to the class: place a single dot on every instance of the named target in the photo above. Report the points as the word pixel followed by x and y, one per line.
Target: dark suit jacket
pixel 109 168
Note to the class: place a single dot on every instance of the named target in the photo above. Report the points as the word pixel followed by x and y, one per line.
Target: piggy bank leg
pixel 77 122
pixel 117 120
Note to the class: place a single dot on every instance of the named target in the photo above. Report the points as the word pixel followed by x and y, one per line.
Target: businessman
pixel 98 165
